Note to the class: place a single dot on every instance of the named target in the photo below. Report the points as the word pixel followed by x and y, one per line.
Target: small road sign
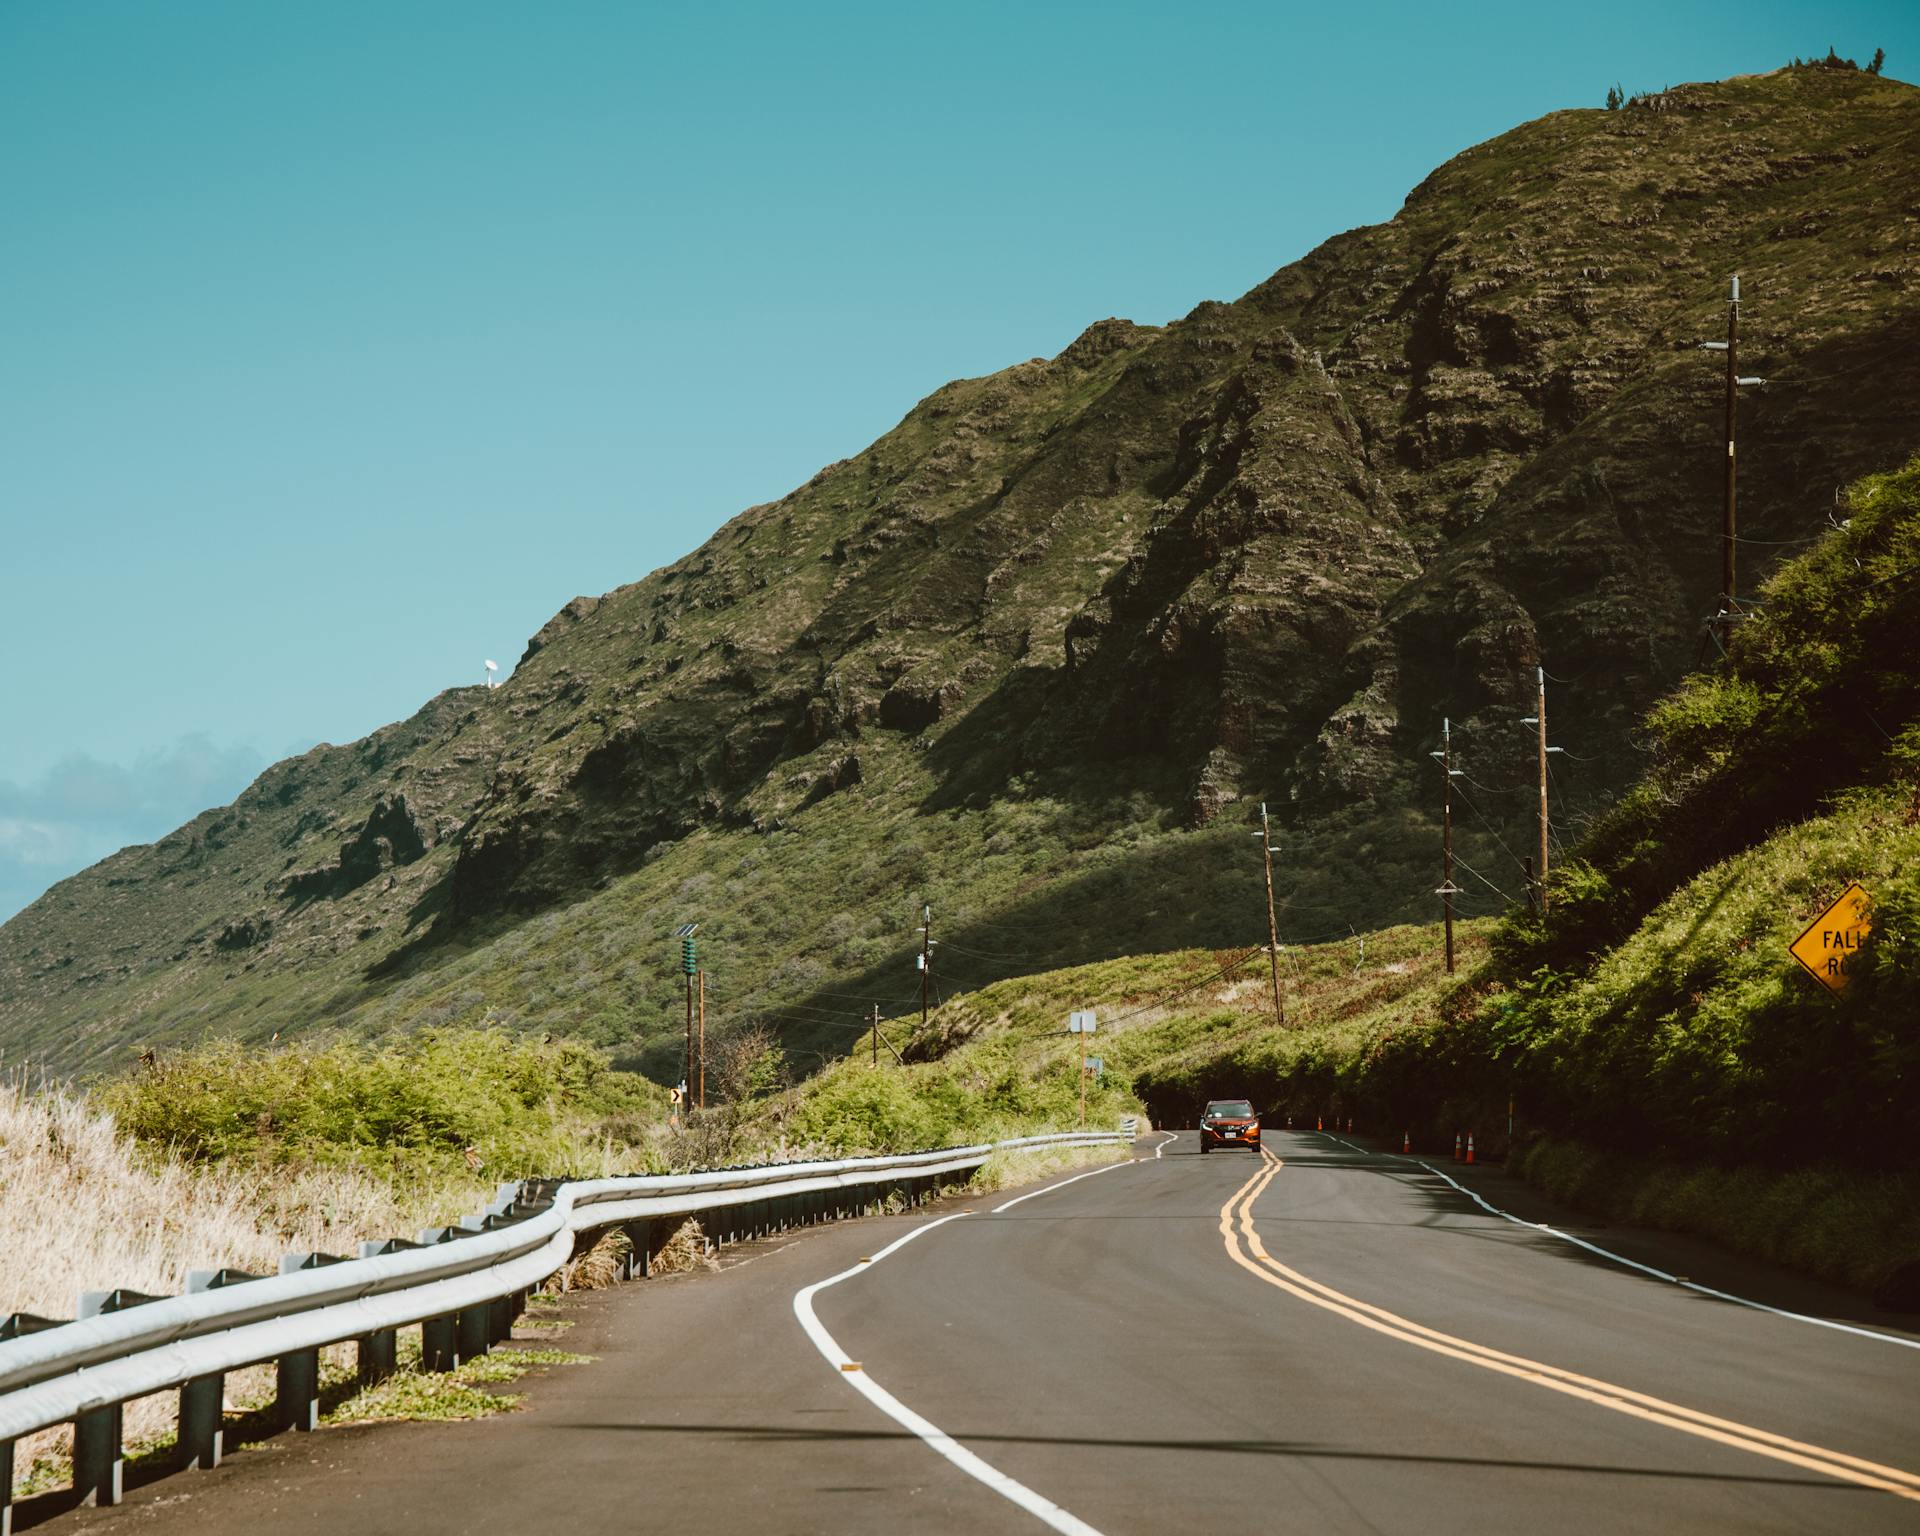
pixel 1828 947
pixel 1081 1022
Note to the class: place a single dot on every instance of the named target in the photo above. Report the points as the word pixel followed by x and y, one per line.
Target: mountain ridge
pixel 1254 554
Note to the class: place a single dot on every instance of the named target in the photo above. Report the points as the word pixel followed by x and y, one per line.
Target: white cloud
pixel 84 809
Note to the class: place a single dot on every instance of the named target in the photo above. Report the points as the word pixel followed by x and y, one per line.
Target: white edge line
pixel 1171 1137
pixel 1035 1194
pixel 1647 1269
pixel 1041 1508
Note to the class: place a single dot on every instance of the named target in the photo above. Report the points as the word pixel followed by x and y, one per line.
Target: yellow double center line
pixel 1245 1249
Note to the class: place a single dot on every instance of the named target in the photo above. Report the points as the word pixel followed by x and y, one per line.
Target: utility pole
pixel 1539 719
pixel 1729 604
pixel 703 1038
pixel 875 1042
pixel 1448 890
pixel 926 961
pixel 1273 927
pixel 1733 416
pixel 1082 1023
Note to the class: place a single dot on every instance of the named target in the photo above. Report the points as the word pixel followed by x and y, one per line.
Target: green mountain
pixel 1034 657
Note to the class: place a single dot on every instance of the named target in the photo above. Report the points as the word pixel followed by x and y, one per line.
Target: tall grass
pixel 82 1207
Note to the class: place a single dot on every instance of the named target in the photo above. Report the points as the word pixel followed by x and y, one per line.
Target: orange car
pixel 1229 1123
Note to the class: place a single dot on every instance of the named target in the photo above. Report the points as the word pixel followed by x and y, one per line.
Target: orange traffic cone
pixel 1289 1122
pixel 1349 1125
pixel 1456 1146
pixel 1469 1146
pixel 1406 1141
pixel 1319 1122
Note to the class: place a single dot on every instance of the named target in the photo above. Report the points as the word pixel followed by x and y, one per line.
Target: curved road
pixel 1320 1339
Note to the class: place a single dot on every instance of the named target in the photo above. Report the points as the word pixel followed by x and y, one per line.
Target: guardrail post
pixel 6 1488
pixel 296 1377
pixel 99 1466
pixel 202 1424
pixel 377 1355
pixel 639 1259
pixel 472 1323
pixel 439 1350
pixel 202 1435
pixel 296 1390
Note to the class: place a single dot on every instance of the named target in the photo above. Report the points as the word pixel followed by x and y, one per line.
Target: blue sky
pixel 342 343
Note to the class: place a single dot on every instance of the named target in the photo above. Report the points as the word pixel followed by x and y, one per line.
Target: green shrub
pixel 511 1104
pixel 1817 684
pixel 1826 1220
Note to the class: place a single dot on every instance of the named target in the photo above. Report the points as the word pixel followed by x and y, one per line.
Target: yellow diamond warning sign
pixel 1828 947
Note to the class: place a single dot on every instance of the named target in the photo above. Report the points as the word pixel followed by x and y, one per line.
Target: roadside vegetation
pixel 1664 1058
pixel 228 1156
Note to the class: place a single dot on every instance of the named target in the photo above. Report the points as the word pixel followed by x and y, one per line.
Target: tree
pixel 745 1068
pixel 1614 98
pixel 1879 58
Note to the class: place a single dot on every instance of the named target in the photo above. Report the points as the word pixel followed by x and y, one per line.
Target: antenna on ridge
pixel 492 667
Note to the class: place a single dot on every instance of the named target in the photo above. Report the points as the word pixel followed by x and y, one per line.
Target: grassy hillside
pixel 1036 654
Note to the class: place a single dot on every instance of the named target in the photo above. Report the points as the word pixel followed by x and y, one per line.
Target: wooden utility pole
pixel 875 1042
pixel 1729 536
pixel 703 1039
pixel 1083 1079
pixel 1446 832
pixel 1273 926
pixel 926 961
pixel 1540 720
pixel 1733 395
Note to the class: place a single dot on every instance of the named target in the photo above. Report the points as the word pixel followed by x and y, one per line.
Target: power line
pixel 1514 789
pixel 1490 830
pixel 1484 881
pixel 1167 997
pixel 981 954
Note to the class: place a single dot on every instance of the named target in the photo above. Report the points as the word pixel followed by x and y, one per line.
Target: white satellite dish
pixel 492 667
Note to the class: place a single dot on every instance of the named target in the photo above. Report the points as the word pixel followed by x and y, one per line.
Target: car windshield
pixel 1230 1109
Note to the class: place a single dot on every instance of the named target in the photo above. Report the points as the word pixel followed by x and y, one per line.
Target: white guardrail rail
pixel 462 1285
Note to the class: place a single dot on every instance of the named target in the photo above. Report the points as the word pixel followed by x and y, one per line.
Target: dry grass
pixel 685 1249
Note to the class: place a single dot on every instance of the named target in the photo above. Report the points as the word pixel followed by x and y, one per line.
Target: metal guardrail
pixel 463 1285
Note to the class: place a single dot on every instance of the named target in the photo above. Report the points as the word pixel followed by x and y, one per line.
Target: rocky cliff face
pixel 1254 555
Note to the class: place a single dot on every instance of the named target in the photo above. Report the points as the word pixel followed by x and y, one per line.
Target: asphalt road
pixel 1333 1341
